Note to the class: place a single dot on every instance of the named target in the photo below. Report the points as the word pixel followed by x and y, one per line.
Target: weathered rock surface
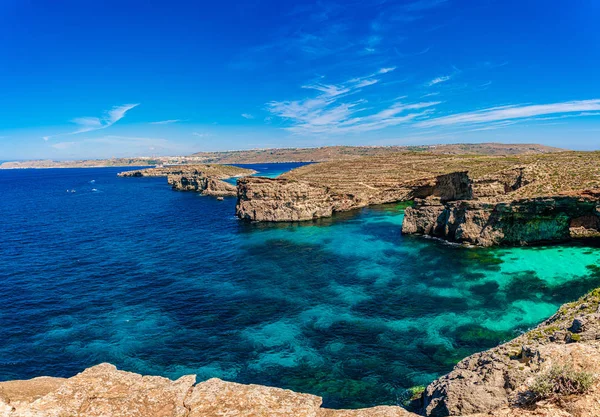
pixel 519 222
pixel 284 199
pixel 483 200
pixel 497 381
pixel 204 179
pixel 199 183
pixel 104 391
pixel 208 170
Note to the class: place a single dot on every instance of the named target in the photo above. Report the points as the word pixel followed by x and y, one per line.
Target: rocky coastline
pixel 483 201
pixel 499 382
pixel 203 179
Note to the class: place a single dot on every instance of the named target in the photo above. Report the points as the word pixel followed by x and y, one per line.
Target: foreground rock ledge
pixel 105 391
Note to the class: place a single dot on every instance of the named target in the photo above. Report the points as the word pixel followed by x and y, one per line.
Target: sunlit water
pixel 170 283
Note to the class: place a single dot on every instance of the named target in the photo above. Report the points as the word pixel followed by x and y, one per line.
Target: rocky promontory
pixel 552 370
pixel 480 200
pixel 204 179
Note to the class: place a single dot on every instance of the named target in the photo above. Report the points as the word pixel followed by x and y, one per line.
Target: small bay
pixel 95 268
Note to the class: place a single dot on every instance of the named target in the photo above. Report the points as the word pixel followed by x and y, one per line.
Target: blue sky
pixel 84 79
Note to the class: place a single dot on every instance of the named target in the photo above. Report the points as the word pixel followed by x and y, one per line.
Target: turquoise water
pixel 169 283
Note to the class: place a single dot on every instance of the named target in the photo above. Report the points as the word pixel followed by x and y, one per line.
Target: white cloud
pixel 166 122
pixel 515 112
pixel 438 80
pixel 332 111
pixel 247 116
pixel 386 70
pixel 202 135
pixel 88 124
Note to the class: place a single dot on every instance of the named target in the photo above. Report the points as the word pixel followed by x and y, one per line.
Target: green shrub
pixel 412 394
pixel 560 381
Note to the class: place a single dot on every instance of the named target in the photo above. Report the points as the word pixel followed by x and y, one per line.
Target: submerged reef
pixel 551 370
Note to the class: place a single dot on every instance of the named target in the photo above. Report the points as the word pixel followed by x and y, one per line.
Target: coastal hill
pixel 550 371
pixel 326 153
pixel 481 200
pixel 337 153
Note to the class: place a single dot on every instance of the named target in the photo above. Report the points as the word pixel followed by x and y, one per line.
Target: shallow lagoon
pixel 170 283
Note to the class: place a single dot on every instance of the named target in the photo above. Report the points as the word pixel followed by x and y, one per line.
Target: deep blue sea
pixel 127 271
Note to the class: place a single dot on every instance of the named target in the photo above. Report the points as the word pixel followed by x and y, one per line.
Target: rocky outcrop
pixel 498 381
pixel 204 179
pixel 519 222
pixel 266 199
pixel 509 200
pixel 103 391
pixel 283 199
pixel 202 184
pixel 207 170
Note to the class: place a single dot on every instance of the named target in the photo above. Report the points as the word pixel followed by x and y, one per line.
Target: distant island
pixel 320 154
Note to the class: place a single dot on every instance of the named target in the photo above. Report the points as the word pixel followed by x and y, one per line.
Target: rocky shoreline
pixel 498 382
pixel 483 201
pixel 203 179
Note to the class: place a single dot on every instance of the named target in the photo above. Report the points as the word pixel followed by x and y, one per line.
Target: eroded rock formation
pixel 204 179
pixel 517 222
pixel 208 170
pixel 284 199
pixel 477 200
pixel 104 391
pixel 198 182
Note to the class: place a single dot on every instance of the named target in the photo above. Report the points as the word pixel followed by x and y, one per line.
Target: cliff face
pixel 265 199
pixel 207 170
pixel 282 199
pixel 204 179
pixel 485 201
pixel 495 383
pixel 199 183
pixel 524 221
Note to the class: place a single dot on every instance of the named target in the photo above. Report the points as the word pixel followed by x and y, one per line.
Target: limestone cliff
pixel 204 179
pixel 284 199
pixel 208 170
pixel 198 182
pixel 517 222
pixel 483 201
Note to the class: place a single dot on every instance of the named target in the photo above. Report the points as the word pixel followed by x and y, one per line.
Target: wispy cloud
pixel 166 122
pixel 88 124
pixel 438 80
pixel 514 112
pixel 202 135
pixel 336 109
pixel 247 116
